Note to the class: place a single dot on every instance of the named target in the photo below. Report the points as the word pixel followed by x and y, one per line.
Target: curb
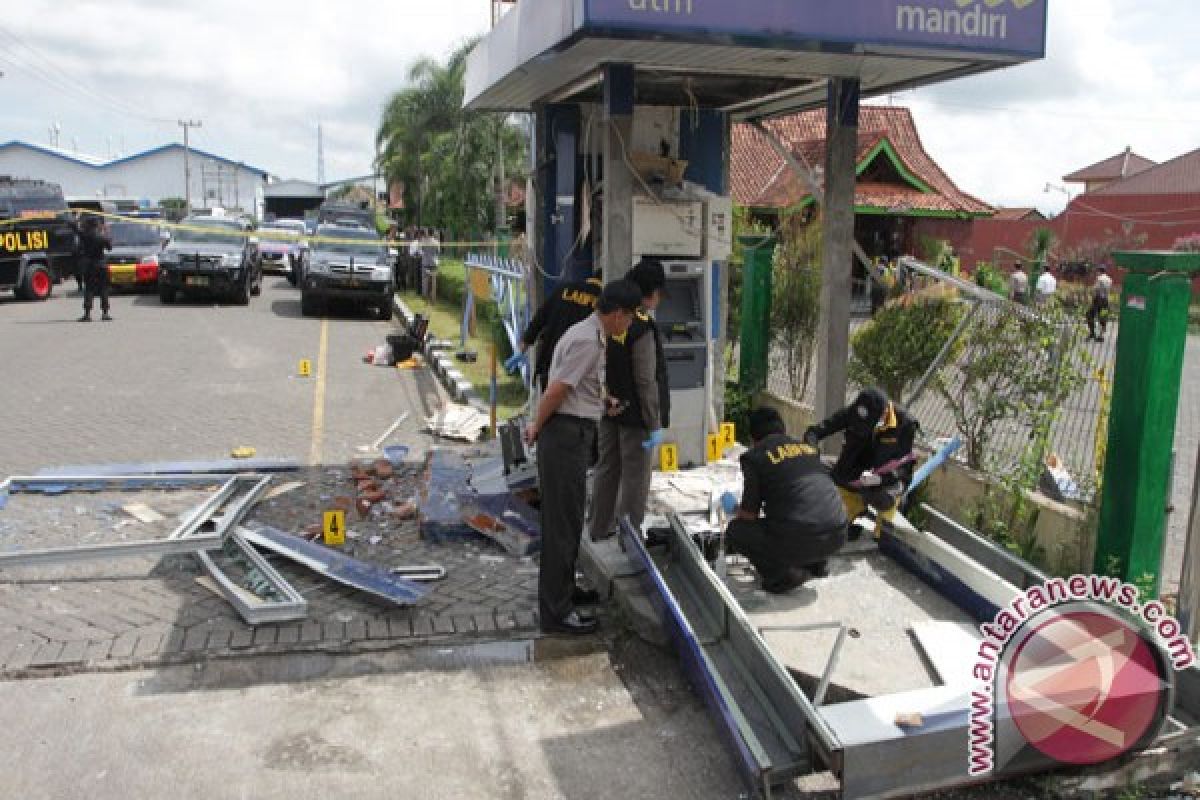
pixel 436 353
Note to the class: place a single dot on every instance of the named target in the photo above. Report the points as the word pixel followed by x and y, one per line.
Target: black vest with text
pixel 619 372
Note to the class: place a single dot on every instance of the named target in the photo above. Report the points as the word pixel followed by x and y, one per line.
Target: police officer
pixel 93 242
pixel 790 519
pixel 565 431
pixel 638 414
pixel 569 304
pixel 876 461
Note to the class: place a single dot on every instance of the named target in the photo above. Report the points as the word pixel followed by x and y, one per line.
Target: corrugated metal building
pixel 150 175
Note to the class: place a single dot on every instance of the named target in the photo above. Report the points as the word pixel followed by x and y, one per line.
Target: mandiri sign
pixel 1012 28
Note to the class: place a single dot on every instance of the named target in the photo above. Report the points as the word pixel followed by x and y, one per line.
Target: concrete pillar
pixel 837 241
pixel 617 226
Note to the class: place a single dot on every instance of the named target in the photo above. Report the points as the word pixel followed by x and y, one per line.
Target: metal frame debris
pixel 185 538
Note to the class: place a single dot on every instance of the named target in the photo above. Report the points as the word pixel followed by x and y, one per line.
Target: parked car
pixel 282 247
pixel 133 260
pixel 347 263
pixel 210 255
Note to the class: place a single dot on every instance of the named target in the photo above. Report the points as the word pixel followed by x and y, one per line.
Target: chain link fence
pixel 1070 372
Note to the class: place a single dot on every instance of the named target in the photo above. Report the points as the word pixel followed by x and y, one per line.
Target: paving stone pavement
pixel 192 381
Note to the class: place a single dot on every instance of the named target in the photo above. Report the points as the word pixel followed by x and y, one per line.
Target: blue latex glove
pixel 515 362
pixel 729 503
pixel 656 438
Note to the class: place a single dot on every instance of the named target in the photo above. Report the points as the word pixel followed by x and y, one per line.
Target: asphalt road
pixel 193 380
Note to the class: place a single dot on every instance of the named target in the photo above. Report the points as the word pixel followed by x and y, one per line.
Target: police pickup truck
pixel 37 245
pixel 347 263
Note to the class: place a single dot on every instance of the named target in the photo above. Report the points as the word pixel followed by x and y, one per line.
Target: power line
pixel 37 64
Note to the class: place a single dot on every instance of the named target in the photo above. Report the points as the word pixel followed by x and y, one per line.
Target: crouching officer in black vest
pixel 876 463
pixel 568 304
pixel 791 519
pixel 639 411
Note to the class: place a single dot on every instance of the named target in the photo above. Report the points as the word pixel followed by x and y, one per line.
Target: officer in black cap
pixel 639 410
pixel 94 241
pixel 790 519
pixel 570 303
pixel 876 462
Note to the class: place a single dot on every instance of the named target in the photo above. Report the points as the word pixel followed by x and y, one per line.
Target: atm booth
pixel 632 104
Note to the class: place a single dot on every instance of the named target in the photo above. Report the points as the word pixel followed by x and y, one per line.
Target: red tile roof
pixel 760 177
pixel 1122 165
pixel 1180 175
pixel 1020 212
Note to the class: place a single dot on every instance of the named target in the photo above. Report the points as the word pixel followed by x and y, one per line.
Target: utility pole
pixel 187 124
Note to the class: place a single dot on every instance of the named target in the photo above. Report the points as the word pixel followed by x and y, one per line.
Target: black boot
pixel 87 317
pixel 105 317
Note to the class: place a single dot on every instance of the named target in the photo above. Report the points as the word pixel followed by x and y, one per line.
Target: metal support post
pixel 1189 583
pixel 1150 344
pixel 755 333
pixel 617 228
pixel 940 360
pixel 837 236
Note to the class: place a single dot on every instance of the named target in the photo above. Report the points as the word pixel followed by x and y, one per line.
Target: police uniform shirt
pixel 785 479
pixel 579 363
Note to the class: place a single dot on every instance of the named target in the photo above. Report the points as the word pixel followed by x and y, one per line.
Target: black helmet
pixel 867 410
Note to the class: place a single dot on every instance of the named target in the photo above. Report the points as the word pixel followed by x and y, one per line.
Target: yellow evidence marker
pixel 714 447
pixel 668 458
pixel 728 435
pixel 335 528
pixel 305 368
pixel 243 452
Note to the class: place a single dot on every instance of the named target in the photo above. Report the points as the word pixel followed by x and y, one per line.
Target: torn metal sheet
pixel 185 539
pixel 369 578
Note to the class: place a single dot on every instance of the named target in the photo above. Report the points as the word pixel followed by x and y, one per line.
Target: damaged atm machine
pixel 871 683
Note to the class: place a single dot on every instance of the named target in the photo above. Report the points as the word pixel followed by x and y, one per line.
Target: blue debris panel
pixel 360 575
pixel 457 506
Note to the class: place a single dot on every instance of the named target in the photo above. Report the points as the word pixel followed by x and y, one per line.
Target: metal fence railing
pixel 1077 433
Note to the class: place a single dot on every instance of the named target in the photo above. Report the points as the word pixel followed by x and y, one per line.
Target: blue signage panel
pixel 980 27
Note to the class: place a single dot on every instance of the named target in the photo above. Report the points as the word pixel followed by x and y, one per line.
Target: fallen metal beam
pixel 224 465
pixel 773 729
pixel 360 575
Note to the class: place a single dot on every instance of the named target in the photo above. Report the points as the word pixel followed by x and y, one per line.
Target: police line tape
pixel 275 236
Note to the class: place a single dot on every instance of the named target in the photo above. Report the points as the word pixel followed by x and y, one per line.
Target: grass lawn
pixel 444 323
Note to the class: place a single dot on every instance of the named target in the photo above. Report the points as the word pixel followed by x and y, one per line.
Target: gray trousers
pixel 564 450
pixel 622 478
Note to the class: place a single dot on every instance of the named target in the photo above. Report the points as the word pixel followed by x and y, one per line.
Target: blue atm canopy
pixel 751 58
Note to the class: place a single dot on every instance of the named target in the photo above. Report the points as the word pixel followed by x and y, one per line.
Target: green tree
pixel 796 299
pixel 447 158
pixel 896 348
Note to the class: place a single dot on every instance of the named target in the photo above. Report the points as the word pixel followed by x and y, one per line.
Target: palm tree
pixel 445 157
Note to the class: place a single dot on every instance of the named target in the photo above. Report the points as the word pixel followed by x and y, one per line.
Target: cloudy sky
pixel 260 74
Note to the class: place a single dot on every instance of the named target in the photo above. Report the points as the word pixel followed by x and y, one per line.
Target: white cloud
pixel 1117 73
pixel 260 75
